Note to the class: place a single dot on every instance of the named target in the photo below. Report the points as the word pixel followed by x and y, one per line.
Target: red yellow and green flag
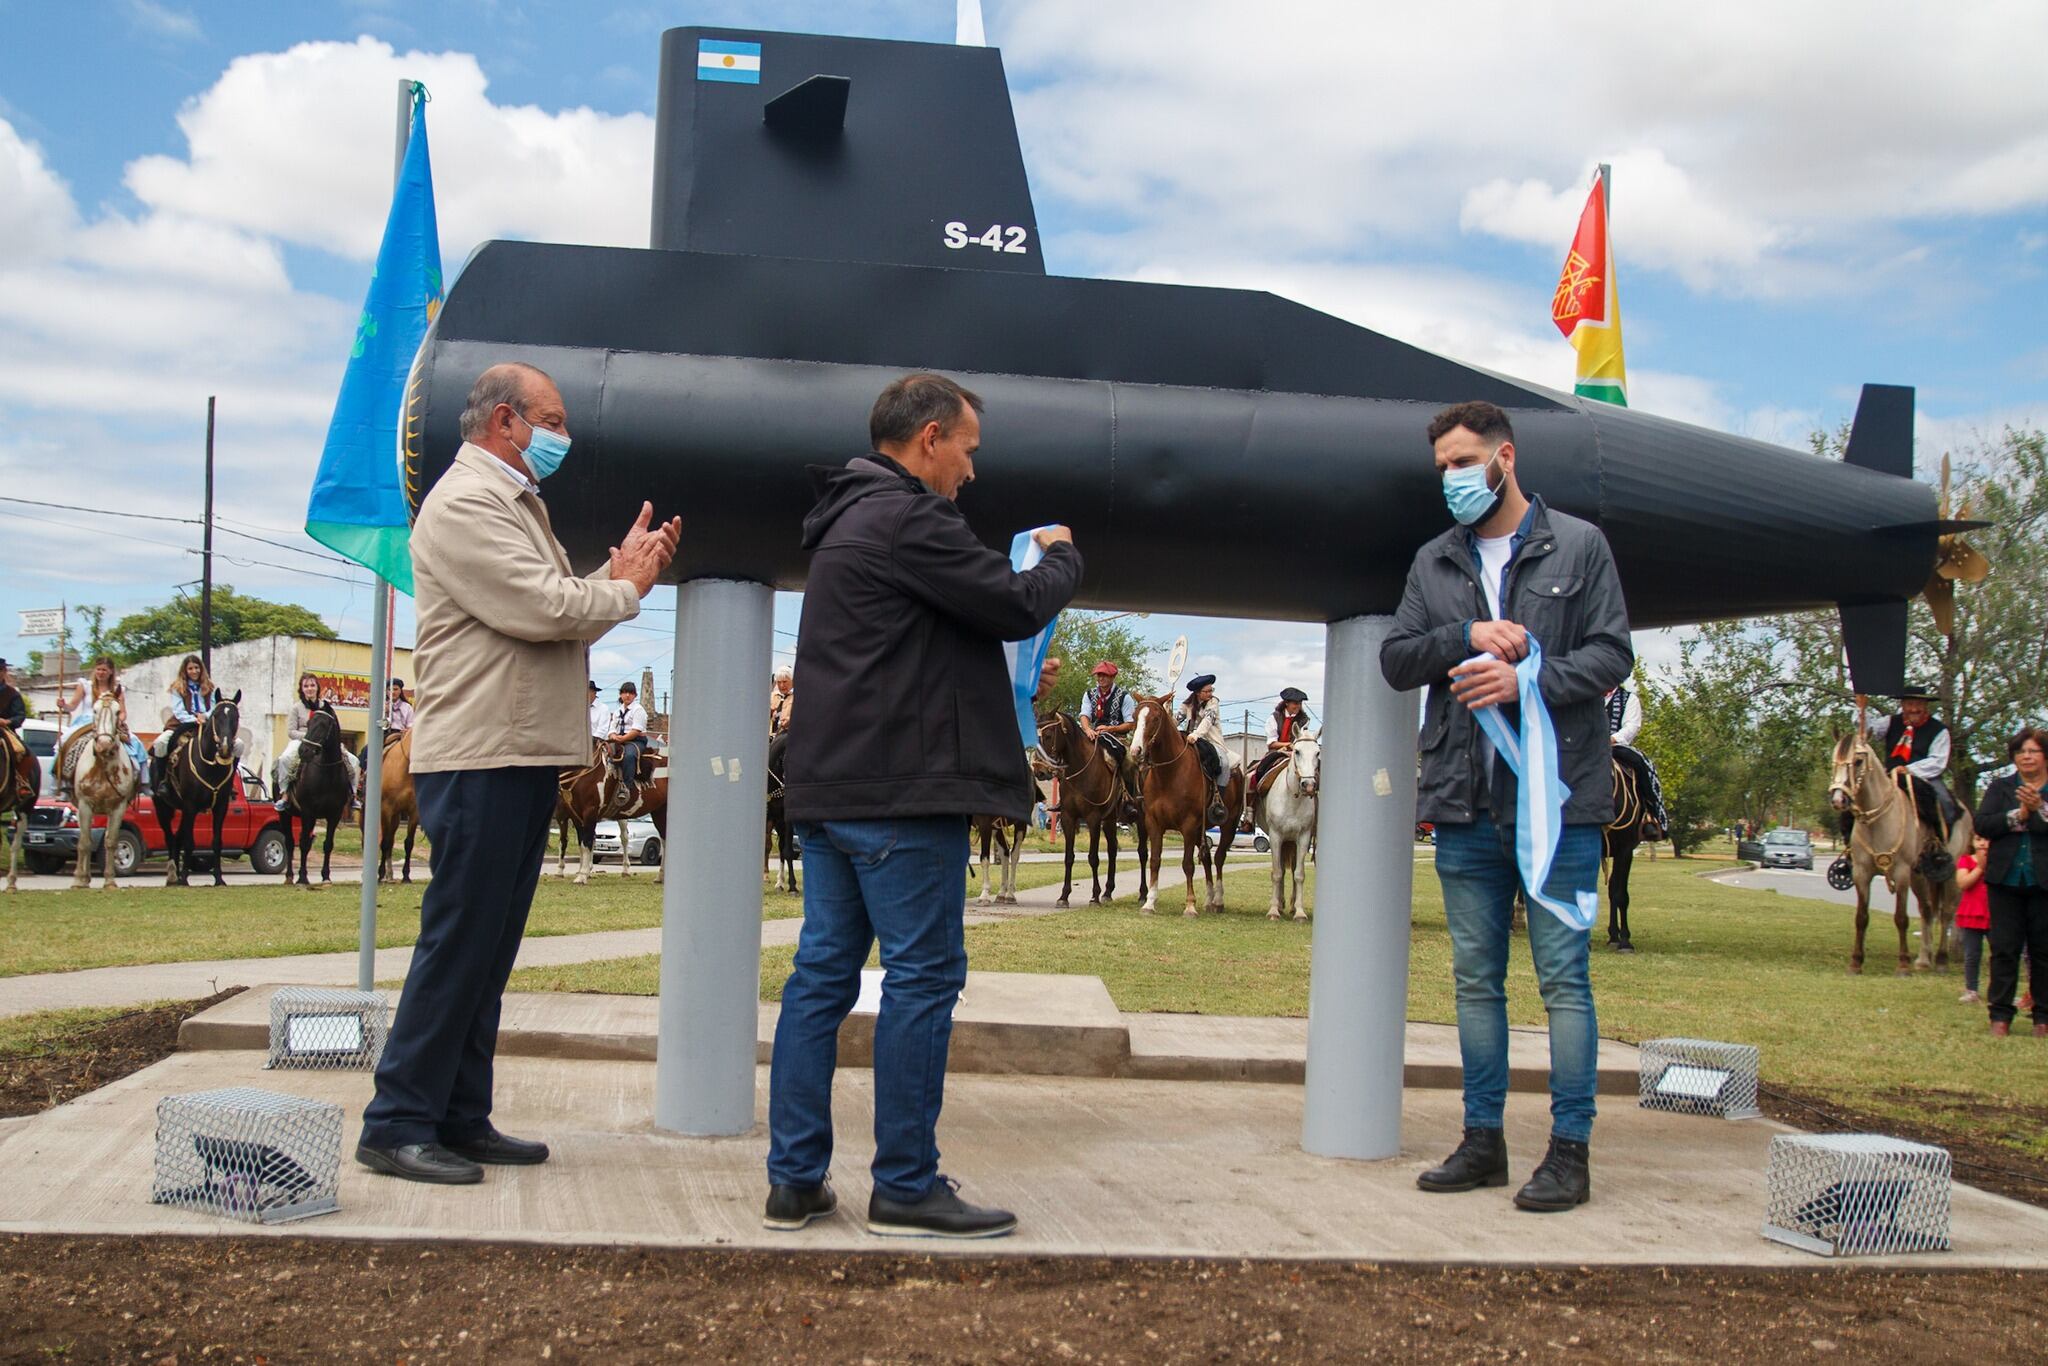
pixel 1587 307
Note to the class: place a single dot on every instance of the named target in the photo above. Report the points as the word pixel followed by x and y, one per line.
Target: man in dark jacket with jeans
pixel 909 729
pixel 1510 570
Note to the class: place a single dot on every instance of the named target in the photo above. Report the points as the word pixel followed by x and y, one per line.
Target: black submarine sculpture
pixel 859 209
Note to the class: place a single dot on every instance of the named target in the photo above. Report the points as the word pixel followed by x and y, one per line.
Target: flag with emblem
pixel 722 59
pixel 1587 307
pixel 357 507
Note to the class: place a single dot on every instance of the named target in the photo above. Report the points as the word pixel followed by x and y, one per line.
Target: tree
pixel 1081 640
pixel 173 628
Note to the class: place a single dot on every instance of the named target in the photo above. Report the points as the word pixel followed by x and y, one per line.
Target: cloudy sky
pixel 1805 198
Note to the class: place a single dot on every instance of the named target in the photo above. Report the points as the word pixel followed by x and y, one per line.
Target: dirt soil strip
pixel 90 1058
pixel 1978 1162
pixel 290 1299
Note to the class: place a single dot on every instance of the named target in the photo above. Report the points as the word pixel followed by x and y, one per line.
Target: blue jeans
pixel 902 883
pixel 1476 865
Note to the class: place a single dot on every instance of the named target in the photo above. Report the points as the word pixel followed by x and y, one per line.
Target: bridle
pixel 1849 780
pixel 223 744
pixel 1154 765
pixel 1061 725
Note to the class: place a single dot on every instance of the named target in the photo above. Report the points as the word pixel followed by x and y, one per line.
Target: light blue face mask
pixel 545 451
pixel 1468 495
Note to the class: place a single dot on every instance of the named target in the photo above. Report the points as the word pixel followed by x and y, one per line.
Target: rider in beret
pixel 1289 722
pixel 1105 716
pixel 1201 720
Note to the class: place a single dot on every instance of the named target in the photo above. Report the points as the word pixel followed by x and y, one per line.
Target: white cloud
pixel 296 145
pixel 1758 147
pixel 35 206
pixel 161 21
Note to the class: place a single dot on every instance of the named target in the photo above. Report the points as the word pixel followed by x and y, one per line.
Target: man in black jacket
pixel 1510 570
pixel 909 729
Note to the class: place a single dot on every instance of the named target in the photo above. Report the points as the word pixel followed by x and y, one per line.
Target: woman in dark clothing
pixel 2016 872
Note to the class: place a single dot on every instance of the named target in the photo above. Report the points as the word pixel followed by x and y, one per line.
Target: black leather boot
pixel 1481 1159
pixel 1561 1181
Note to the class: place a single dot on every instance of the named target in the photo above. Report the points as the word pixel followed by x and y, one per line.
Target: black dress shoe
pixel 429 1162
pixel 941 1214
pixel 501 1150
pixel 1481 1159
pixel 1561 1181
pixel 791 1207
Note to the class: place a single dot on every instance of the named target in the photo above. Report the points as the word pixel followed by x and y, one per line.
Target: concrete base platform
pixel 1093 1167
pixel 1022 1023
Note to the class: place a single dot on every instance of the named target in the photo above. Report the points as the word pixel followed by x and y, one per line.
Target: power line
pixel 102 512
pixel 282 545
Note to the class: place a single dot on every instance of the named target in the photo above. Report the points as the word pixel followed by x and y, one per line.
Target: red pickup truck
pixel 251 829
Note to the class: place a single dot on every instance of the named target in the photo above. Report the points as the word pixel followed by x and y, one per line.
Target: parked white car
pixel 641 840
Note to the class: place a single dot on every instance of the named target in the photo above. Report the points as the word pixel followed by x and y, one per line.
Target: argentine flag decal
pixel 719 59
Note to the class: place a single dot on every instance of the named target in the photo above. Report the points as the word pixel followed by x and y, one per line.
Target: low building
pixel 266 672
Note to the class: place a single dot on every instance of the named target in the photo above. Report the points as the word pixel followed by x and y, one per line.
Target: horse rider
pixel 1201 720
pixel 629 733
pixel 191 699
pixel 1624 723
pixel 295 723
pixel 397 711
pixel 1914 740
pixel 1105 717
pixel 13 711
pixel 1289 722
pixel 781 700
pixel 600 719
pixel 82 706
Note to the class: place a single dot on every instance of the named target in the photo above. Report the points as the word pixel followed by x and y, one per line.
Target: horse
pixel 105 780
pixel 650 799
pixel 1888 842
pixel 1619 839
pixel 198 776
pixel 321 790
pixel 596 792
pixel 401 805
pixel 21 783
pixel 1007 836
pixel 1175 796
pixel 779 835
pixel 1290 818
pixel 1091 790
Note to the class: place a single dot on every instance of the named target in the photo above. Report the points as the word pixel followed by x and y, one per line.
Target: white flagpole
pixel 374 705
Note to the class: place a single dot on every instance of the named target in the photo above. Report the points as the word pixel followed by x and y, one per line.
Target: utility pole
pixel 376 707
pixel 206 556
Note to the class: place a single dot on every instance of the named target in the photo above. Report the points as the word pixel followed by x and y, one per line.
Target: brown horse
pixel 399 805
pixel 778 831
pixel 21 782
pixel 596 792
pixel 1090 794
pixel 1175 796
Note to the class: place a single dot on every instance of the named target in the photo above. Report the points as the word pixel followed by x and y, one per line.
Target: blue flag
pixel 1540 793
pixel 358 502
pixel 1027 657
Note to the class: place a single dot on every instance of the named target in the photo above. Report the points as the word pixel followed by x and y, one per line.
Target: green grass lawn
pixel 1714 962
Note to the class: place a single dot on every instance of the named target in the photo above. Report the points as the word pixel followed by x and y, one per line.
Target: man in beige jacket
pixel 504 632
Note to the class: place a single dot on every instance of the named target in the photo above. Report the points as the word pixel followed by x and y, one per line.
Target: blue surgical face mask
pixel 545 450
pixel 1468 494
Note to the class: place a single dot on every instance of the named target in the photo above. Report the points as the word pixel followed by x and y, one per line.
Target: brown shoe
pixel 2041 1029
pixel 1999 1029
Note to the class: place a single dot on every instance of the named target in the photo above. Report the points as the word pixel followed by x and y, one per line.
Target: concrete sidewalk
pixel 146 982
pixel 1093 1167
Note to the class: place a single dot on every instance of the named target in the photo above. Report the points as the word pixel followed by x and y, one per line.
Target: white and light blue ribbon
pixel 1540 794
pixel 1027 657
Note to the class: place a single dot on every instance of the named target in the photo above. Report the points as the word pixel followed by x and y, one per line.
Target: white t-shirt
pixel 1494 553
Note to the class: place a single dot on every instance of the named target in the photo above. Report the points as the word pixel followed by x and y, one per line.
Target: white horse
pixel 105 781
pixel 1290 819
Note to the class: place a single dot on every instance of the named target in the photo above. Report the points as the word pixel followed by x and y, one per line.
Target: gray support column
pixel 1365 875
pixel 711 900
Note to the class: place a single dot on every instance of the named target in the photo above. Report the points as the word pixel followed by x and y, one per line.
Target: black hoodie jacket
pixel 907 705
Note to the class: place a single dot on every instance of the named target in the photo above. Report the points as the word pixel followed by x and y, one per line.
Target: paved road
pixel 1792 882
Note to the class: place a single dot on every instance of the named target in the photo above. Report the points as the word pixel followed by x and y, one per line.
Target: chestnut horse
pixel 400 805
pixel 1175 795
pixel 1090 794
